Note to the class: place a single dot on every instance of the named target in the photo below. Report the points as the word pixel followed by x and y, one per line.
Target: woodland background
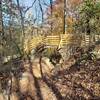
pixel 69 73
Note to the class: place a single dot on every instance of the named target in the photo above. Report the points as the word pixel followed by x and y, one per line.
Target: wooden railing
pixel 60 40
pixel 52 41
pixel 89 39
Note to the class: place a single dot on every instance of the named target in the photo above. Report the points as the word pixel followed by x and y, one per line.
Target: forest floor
pixel 76 84
pixel 68 83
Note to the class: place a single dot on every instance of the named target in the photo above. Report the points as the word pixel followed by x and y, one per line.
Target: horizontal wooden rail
pixel 58 40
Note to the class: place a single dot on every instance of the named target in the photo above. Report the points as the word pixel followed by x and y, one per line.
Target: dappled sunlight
pixel 49 49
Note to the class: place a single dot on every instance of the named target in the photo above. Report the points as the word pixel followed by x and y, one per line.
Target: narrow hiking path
pixel 46 91
pixel 67 83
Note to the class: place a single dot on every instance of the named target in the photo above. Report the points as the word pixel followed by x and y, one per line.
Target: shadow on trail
pixel 53 88
pixel 38 91
pixel 36 83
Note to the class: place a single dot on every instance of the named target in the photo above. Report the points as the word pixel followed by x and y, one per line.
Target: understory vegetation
pixel 50 50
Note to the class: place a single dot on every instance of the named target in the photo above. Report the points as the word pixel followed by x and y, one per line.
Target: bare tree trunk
pixel 88 30
pixel 40 61
pixel 22 24
pixel 0 31
pixel 1 20
pixel 51 15
pixel 64 23
pixel 2 37
pixel 10 32
pixel 10 88
pixel 41 10
pixel 10 20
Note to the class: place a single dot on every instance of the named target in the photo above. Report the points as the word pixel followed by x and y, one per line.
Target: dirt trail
pixel 65 84
pixel 46 92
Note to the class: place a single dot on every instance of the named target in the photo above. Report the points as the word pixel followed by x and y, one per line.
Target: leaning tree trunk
pixel 88 30
pixel 40 62
pixel 51 7
pixel 2 37
pixel 22 25
pixel 64 19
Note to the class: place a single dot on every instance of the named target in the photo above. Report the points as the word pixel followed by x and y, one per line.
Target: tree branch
pixel 30 6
